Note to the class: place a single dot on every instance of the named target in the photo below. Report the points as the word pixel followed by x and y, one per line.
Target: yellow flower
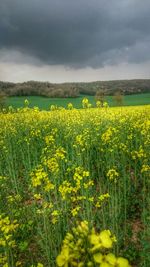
pixel 99 258
pixel 113 175
pixel 2 242
pixel 49 186
pixel 18 263
pixel 94 239
pixel 26 102
pixel 90 264
pixel 84 226
pixel 105 264
pixel 70 106
pixel 98 104
pixel 85 102
pixel 55 213
pixel 111 259
pixel 75 211
pixel 37 196
pixel 121 262
pixel 40 265
pixel 105 238
pixel 105 104
pixel 91 199
pixel 145 168
pixel 63 258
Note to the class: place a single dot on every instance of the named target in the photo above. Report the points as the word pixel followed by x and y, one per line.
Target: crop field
pixel 75 187
pixel 45 102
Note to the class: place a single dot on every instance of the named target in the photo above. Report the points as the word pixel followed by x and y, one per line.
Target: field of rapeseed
pixel 75 187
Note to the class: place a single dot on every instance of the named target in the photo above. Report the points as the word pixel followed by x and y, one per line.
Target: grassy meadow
pixel 45 102
pixel 75 185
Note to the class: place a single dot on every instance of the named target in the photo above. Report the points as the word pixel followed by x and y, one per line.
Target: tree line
pixel 64 90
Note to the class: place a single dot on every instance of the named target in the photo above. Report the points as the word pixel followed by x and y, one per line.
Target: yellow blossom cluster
pixel 145 168
pixel 85 247
pixel 40 177
pixel 101 199
pixel 113 175
pixel 7 229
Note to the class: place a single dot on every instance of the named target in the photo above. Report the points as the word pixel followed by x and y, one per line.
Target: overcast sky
pixel 74 40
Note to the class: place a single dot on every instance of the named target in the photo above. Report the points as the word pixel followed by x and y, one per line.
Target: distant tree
pixel 100 88
pixel 100 96
pixel 2 100
pixel 118 97
pixel 60 93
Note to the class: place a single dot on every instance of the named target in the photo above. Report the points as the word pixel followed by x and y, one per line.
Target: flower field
pixel 75 187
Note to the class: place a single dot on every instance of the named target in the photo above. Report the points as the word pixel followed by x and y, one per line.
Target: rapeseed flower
pixel 113 175
pixel 76 249
pixel 102 240
pixel 63 258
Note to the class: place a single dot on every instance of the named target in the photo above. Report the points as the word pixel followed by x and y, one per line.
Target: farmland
pixel 45 102
pixel 78 175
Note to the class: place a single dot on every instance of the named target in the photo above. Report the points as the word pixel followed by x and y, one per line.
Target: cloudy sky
pixel 74 40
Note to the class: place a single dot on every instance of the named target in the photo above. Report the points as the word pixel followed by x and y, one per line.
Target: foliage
pixel 118 97
pixel 100 96
pixel 73 90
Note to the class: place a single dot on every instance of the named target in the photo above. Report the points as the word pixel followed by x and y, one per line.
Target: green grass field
pixel 45 103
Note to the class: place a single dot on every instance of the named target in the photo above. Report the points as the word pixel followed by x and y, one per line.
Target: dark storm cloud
pixel 76 33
